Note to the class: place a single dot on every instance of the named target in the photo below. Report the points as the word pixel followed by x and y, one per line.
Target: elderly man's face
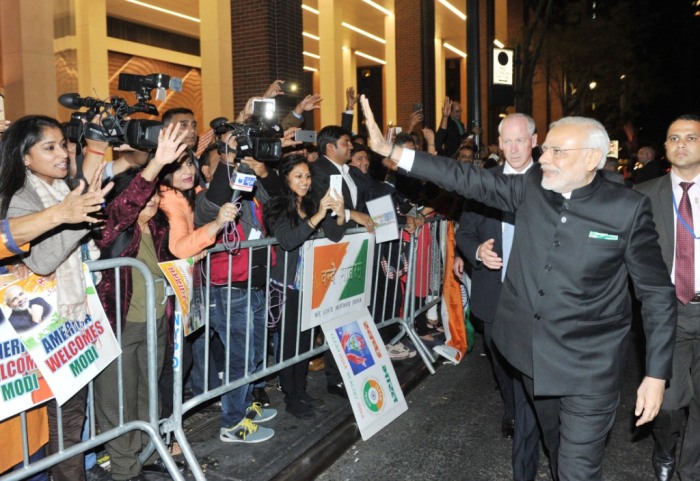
pixel 575 164
pixel 17 300
pixel 516 143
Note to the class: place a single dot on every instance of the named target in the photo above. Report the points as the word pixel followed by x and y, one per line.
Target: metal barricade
pixel 397 278
pixel 403 287
pixel 150 426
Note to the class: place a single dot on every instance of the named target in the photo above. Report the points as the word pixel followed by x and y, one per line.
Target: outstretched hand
pixel 377 141
pixel 77 207
pixel 171 144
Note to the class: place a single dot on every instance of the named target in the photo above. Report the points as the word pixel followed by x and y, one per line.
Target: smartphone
pixel 336 185
pixel 2 108
pixel 264 109
pixel 417 107
pixel 290 88
pixel 306 136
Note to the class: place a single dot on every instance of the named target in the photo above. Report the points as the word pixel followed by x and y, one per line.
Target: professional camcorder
pixel 113 127
pixel 260 140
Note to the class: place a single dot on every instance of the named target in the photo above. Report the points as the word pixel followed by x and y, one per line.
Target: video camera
pixel 113 127
pixel 261 140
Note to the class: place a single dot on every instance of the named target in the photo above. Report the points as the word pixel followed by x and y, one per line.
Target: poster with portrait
pixel 68 353
pixel 337 278
pixel 372 386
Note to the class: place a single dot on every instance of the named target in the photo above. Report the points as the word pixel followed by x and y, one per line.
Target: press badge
pixel 254 234
pixel 244 182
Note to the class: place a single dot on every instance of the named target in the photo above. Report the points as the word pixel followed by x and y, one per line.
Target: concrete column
pixel 215 52
pixel 29 75
pixel 331 62
pixel 389 77
pixel 91 47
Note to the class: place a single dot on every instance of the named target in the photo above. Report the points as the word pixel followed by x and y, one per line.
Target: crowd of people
pixel 548 238
pixel 168 204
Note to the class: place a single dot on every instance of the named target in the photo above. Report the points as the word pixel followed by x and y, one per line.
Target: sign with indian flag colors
pixel 337 278
pixel 368 375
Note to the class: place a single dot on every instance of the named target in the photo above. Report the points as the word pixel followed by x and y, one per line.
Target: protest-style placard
pixel 69 353
pixel 180 275
pixel 337 278
pixel 372 386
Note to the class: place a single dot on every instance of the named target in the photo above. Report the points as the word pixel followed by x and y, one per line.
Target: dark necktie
pixel 685 249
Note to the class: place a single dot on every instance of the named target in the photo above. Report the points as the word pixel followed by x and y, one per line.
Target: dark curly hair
pixel 284 205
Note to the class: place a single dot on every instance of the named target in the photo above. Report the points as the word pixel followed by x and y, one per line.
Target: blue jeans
pixel 235 402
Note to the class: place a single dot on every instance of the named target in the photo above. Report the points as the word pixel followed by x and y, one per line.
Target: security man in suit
pixel 485 237
pixel 564 314
pixel 674 202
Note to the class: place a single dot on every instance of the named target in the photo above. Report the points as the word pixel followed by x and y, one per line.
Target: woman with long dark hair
pixel 293 216
pixel 34 168
pixel 179 187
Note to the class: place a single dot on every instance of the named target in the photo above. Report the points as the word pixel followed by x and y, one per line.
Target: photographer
pixel 240 412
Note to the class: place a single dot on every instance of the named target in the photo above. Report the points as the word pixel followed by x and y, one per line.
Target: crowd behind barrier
pixel 407 289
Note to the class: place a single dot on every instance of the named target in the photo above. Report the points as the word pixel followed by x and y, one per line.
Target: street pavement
pixel 451 431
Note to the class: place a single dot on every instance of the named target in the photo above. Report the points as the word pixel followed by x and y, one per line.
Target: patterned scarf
pixel 70 282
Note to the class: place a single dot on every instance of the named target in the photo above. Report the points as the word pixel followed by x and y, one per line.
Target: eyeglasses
pixel 558 153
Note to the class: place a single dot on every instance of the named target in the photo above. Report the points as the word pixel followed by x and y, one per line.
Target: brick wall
pixel 267 45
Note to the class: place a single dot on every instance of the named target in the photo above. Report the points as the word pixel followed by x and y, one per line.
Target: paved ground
pixel 450 432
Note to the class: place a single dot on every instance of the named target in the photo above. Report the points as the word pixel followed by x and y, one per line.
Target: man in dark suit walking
pixel 564 314
pixel 484 238
pixel 674 201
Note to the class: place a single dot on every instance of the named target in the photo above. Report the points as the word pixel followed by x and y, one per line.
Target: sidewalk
pixel 450 432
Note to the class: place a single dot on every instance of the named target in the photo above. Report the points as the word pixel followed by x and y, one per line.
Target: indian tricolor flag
pixel 452 309
pixel 337 278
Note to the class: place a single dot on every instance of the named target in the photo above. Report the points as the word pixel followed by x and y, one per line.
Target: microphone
pixel 242 183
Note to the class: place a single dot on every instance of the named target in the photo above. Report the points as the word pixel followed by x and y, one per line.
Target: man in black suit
pixel 675 226
pixel 564 313
pixel 449 136
pixel 651 168
pixel 335 149
pixel 484 238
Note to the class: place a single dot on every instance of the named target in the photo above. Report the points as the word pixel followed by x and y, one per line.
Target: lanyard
pixel 254 206
pixel 680 218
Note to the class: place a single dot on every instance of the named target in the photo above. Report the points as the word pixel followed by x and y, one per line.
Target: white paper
pixel 386 226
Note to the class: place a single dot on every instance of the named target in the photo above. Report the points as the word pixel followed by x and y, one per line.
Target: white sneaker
pixel 245 432
pixel 398 352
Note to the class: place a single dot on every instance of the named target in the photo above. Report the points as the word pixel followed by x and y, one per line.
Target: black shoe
pixel 337 390
pixel 97 473
pixel 260 396
pixel 138 477
pixel 300 410
pixel 664 463
pixel 508 428
pixel 310 401
pixel 159 467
